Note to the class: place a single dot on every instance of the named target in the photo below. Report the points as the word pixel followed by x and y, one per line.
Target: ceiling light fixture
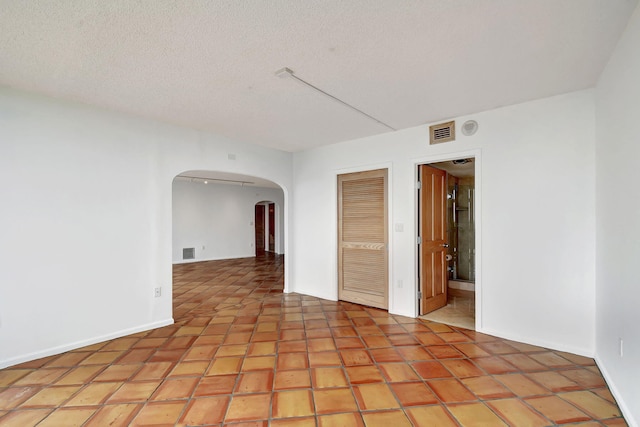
pixel 287 72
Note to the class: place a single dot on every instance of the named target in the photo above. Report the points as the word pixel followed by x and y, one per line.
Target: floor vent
pixel 443 132
pixel 188 253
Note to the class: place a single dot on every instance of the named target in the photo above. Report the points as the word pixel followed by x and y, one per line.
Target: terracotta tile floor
pixel 242 353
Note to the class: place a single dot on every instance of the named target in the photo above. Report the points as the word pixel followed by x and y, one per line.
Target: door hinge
pixel 419 185
pixel 419 240
pixel 419 295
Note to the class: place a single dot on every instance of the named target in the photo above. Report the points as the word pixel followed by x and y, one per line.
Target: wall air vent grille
pixel 443 132
pixel 188 253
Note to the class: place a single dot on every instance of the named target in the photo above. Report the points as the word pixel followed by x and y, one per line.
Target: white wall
pixel 85 222
pixel 618 221
pixel 218 219
pixel 536 225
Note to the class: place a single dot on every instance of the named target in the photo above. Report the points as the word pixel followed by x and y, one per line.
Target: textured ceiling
pixel 210 64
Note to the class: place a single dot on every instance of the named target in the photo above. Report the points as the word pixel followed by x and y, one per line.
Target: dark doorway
pixel 260 222
pixel 272 227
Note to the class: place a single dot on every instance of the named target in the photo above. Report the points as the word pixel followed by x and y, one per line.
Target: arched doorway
pixel 213 217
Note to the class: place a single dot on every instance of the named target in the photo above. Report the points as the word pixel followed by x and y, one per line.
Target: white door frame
pixel 476 154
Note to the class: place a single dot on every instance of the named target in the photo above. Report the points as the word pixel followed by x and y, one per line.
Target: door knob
pixel 445 245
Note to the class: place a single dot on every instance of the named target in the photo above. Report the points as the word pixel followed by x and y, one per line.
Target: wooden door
pixel 433 239
pixel 362 238
pixel 272 227
pixel 259 222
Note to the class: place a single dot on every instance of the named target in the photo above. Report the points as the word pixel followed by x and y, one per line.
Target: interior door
pixel 433 238
pixel 259 222
pixel 362 238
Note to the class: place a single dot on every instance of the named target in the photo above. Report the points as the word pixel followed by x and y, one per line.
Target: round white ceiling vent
pixel 469 127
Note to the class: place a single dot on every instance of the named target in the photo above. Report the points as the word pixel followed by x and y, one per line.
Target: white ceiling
pixel 210 64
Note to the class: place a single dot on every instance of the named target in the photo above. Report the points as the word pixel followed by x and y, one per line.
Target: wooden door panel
pixel 433 233
pixel 366 270
pixel 362 238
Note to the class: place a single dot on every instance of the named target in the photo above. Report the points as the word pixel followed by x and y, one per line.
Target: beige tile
pixel 249 407
pixel 10 376
pixel 351 419
pixel 288 404
pixel 114 415
pixel 413 394
pixel 557 410
pixel 217 384
pixel 553 381
pixel 292 379
pixel 451 390
pixel 173 389
pixel 386 418
pixel 93 394
pixel 255 382
pixel 209 410
pixel 328 377
pixel 68 417
pixel 397 372
pixel 29 417
pixel 81 375
pixel 41 377
pixel 117 373
pixel 153 371
pixel 102 358
pixel 159 413
pixel 134 392
pixel 258 363
pixel 515 412
pixel 328 401
pixel 51 396
pixel 475 414
pixel 592 404
pixel 364 374
pixel 521 385
pixel 190 368
pixel 486 387
pixel 225 366
pixel 375 396
pixel 430 416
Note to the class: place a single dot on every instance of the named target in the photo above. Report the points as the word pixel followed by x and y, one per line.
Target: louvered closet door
pixel 362 238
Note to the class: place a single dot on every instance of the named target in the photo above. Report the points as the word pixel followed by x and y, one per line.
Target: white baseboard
pixel 626 412
pixel 83 343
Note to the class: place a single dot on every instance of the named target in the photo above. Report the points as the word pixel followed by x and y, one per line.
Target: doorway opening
pixel 266 221
pixel 447 246
pixel 214 215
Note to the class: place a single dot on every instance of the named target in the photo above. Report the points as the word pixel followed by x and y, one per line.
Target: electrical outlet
pixel 203 247
pixel 400 284
pixel 158 292
pixel 621 347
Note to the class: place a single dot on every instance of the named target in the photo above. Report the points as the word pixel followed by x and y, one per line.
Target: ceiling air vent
pixel 188 253
pixel 443 132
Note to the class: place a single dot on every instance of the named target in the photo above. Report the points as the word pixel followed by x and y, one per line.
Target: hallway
pixel 243 353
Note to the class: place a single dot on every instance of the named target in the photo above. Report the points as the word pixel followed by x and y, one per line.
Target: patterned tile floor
pixel 243 353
